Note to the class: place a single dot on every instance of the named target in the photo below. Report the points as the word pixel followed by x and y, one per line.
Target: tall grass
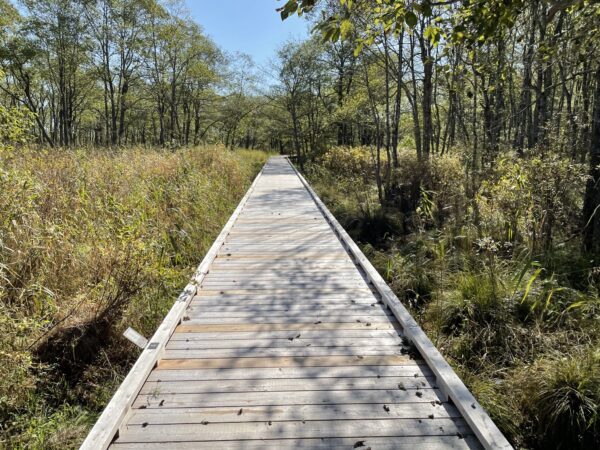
pixel 92 241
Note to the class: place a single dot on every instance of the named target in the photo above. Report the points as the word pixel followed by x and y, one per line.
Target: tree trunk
pixel 591 205
pixel 397 102
pixel 427 95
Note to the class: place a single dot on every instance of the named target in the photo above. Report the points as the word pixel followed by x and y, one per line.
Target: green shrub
pixel 475 302
pixel 433 186
pixel 349 162
pixel 528 200
pixel 409 273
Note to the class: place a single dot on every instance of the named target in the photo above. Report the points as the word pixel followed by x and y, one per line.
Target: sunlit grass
pixel 92 241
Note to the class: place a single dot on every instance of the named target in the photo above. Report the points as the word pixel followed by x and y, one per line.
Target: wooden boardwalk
pixel 287 339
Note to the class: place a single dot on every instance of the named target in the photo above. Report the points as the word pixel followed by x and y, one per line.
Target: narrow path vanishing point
pixel 288 338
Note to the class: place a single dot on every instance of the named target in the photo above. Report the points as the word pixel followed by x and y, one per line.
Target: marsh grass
pixel 93 241
pixel 561 394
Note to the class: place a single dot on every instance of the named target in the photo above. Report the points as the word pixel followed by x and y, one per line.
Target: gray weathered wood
pixel 287 385
pixel 263 352
pixel 304 335
pixel 300 429
pixel 219 399
pixel 377 443
pixel 293 412
pixel 416 371
pixel 285 342
pixel 284 361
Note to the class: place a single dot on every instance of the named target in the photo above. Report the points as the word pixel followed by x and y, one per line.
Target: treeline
pixel 119 72
pixel 484 79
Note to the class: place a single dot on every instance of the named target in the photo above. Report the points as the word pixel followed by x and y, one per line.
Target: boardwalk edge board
pixel 118 409
pixel 449 383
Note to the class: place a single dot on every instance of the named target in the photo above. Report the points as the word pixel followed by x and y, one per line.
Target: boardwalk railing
pixel 279 341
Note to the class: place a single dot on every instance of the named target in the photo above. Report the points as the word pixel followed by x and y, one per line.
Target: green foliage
pixel 410 273
pixel 47 428
pixel 441 193
pixel 473 23
pixel 349 162
pixel 527 200
pixel 15 125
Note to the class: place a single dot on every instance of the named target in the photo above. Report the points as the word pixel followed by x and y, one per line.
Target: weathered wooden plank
pixel 296 236
pixel 276 256
pixel 417 371
pixel 465 442
pixel 279 294
pixel 364 319
pixel 273 227
pixel 262 352
pixel 257 315
pixel 315 264
pixel 288 343
pixel 237 399
pixel 298 220
pixel 283 242
pixel 280 284
pixel 377 411
pixel 280 267
pixel 252 312
pixel 273 336
pixel 216 308
pixel 291 276
pixel 285 385
pixel 187 327
pixel 324 304
pixel 285 361
pixel 273 237
pixel 273 271
pixel 298 429
pixel 331 279
pixel 333 304
pixel 293 292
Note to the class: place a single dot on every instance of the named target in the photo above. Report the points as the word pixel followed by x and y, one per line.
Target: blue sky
pixel 248 26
